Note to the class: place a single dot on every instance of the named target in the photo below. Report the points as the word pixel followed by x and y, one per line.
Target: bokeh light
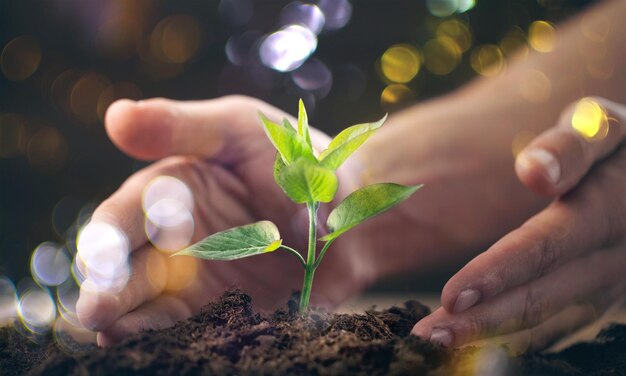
pixel 66 296
pixel 542 36
pixel 445 8
pixel 36 309
pixel 309 16
pixel 487 360
pixel 8 301
pixel 395 94
pixel 169 225
pixel 400 63
pixel 600 69
pixel 179 38
pixel 47 150
pixel 13 135
pixel 20 58
pixel 50 264
pixel 458 30
pixel 71 337
pixel 595 30
pixel 102 256
pixel 241 49
pixel 521 140
pixel 314 77
pixel 441 55
pixel 286 49
pixel 487 60
pixel 85 95
pixel 168 206
pixel 514 44
pixel 61 89
pixel 337 13
pixel 590 120
pixel 171 273
pixel 535 87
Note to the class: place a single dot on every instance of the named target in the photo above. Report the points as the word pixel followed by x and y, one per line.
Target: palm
pixel 228 168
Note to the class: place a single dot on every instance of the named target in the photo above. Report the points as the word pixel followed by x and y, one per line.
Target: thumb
pixel 588 132
pixel 157 128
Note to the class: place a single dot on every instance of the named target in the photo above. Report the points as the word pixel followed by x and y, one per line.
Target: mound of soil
pixel 227 337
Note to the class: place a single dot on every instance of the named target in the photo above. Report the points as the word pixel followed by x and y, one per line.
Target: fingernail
pixel 441 337
pixel 466 300
pixel 549 163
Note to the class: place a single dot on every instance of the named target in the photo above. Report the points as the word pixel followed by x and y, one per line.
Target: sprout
pixel 310 180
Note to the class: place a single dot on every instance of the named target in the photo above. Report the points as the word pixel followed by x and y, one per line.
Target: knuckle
pixel 470 327
pixel 548 255
pixel 546 247
pixel 534 308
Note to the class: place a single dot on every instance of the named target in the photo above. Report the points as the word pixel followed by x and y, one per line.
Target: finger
pixel 545 334
pixel 559 158
pixel 563 328
pixel 207 187
pixel 582 280
pixel 156 128
pixel 97 308
pixel 160 313
pixel 565 230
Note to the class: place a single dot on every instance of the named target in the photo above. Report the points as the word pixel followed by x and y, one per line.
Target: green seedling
pixel 306 179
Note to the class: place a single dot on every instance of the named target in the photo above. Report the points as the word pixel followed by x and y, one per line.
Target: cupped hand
pixel 564 267
pixel 218 149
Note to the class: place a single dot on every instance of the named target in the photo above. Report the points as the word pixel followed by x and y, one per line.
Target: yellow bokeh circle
pixel 487 60
pixel 542 36
pixel 400 63
pixel 590 120
pixel 441 55
pixel 20 58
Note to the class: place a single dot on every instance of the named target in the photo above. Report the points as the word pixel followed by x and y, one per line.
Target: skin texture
pixel 563 268
pixel 546 256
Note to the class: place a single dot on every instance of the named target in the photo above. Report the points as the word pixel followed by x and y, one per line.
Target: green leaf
pixel 288 143
pixel 303 123
pixel 347 142
pixel 365 203
pixel 237 242
pixel 288 125
pixel 279 164
pixel 305 181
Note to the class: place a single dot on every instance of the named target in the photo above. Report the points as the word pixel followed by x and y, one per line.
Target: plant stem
pixel 309 268
pixel 295 253
pixel 322 253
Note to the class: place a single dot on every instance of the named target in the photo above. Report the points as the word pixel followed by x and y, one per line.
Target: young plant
pixel 310 180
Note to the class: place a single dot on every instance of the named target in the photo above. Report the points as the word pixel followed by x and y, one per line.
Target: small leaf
pixel 305 181
pixel 347 142
pixel 288 125
pixel 364 204
pixel 279 164
pixel 288 143
pixel 237 242
pixel 303 123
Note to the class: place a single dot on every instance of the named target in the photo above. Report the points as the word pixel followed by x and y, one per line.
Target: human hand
pixel 564 267
pixel 218 149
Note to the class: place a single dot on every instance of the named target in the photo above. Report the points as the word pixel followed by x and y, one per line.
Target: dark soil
pixel 228 338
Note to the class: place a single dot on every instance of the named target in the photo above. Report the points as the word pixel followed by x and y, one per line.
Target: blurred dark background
pixel 64 61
